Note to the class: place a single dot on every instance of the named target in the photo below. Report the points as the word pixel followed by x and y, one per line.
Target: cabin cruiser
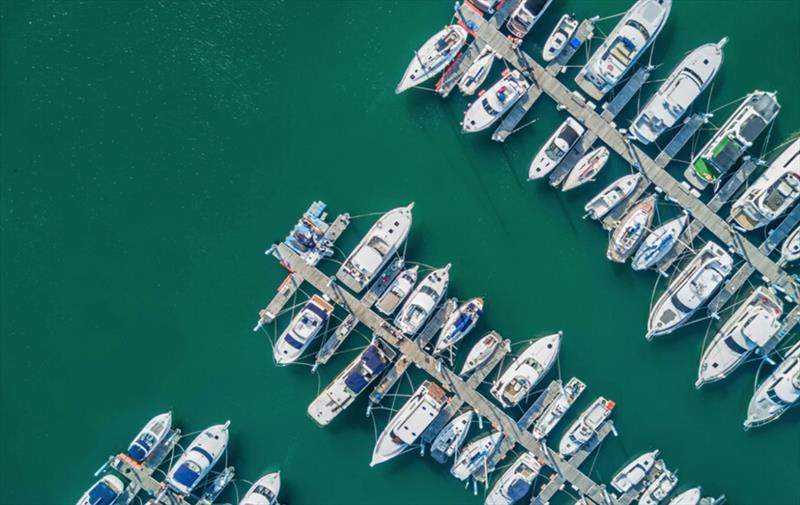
pixel 525 16
pixel 495 102
pixel 631 230
pixel 731 141
pixel 397 291
pixel 612 195
pixel 555 149
pixel 264 491
pixel 526 370
pixel 689 79
pixel 449 440
pixel 634 472
pixel 557 408
pixel 779 392
pixel 515 482
pixel 659 243
pixel 198 458
pixel 376 248
pixel 790 251
pixel 351 382
pixel 420 304
pixel 753 324
pixel 659 488
pixel 557 41
pixel 151 436
pixel 587 168
pixel 477 73
pixel 688 497
pixel 480 353
pixel 690 289
pixel 772 194
pixel 460 322
pixel 626 43
pixel 585 427
pixel 302 330
pixel 434 55
pixel 476 455
pixel 104 492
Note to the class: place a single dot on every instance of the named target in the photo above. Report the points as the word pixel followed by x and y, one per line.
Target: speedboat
pixel 634 472
pixel 198 459
pixel 557 41
pixel 773 193
pixel 790 251
pixel 495 102
pixel 690 289
pixel 351 382
pixel 555 149
pixel 303 329
pixel 557 408
pixel 376 248
pixel 264 491
pixel 422 301
pixel 659 488
pixel 688 497
pixel 631 230
pixel 477 73
pixel 526 370
pixel 460 322
pixel 449 440
pixel 475 455
pixel 397 291
pixel 525 16
pixel 612 195
pixel 753 324
pixel 480 353
pixel 151 436
pixel 659 243
pixel 689 79
pixel 104 492
pixel 434 55
pixel 779 392
pixel 585 427
pixel 515 482
pixel 587 168
pixel 410 421
pixel 623 47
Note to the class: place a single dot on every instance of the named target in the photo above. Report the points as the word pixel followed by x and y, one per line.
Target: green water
pixel 150 152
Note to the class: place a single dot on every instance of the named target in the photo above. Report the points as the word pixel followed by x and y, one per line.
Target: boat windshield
pixel 734 346
pixel 777 399
pixel 488 107
pixel 553 152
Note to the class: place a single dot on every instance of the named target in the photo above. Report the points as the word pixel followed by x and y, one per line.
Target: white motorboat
pixel 631 230
pixel 526 370
pixel 480 353
pixel 477 73
pixel 585 427
pixel 515 482
pixel 475 456
pixel 459 324
pixel 587 168
pixel 397 291
pixel 423 300
pixel 198 458
pixel 434 55
pixel 659 488
pixel 151 436
pixel 103 492
pixel 753 324
pixel 659 243
pixel 634 472
pixel 690 289
pixel 790 251
pixel 264 491
pixel 612 195
pixel 555 149
pixel 557 41
pixel 376 248
pixel 779 392
pixel 527 13
pixel 556 410
pixel 688 497
pixel 410 421
pixel 302 330
pixel 449 440
pixel 689 79
pixel 496 101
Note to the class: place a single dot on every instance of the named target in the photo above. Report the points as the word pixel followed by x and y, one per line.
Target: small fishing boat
pixel 556 410
pixel 557 41
pixel 587 168
pixel 611 196
pixel 779 392
pixel 555 149
pixel 434 55
pixel 104 492
pixel 631 230
pixel 475 455
pixel 790 251
pixel 397 291
pixel 585 427
pixel 460 322
pixel 151 436
pixel 495 102
pixel 422 301
pixel 449 440
pixel 688 497
pixel 525 15
pixel 526 370
pixel 659 243
pixel 634 472
pixel 264 491
pixel 480 353
pixel 477 73
pixel 198 458
pixel 659 488
pixel 515 482
pixel 302 330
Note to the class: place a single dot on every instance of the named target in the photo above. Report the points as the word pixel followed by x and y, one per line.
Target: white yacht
pixel 397 291
pixel 376 248
pixel 779 392
pixel 555 149
pixel 556 410
pixel 634 472
pixel 526 370
pixel 525 16
pixel 434 55
pixel 477 73
pixel 460 322
pixel 475 455
pixel 151 436
pixel 449 440
pixel 264 491
pixel 587 168
pixel 626 43
pixel 753 324
pixel 612 195
pixel 585 427
pixel 302 330
pixel 690 289
pixel 773 193
pixel 422 301
pixel 198 458
pixel 790 251
pixel 659 488
pixel 480 353
pixel 515 482
pixel 495 102
pixel 557 41
pixel 659 243
pixel 688 497
pixel 103 492
pixel 631 230
pixel 678 92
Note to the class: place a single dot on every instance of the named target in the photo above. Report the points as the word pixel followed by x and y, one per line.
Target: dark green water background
pixel 151 151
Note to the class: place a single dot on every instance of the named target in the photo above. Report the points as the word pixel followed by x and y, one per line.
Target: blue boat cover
pixel 317 310
pixel 292 342
pixel 518 489
pixel 373 360
pixel 575 42
pixel 186 476
pixel 462 322
pixel 137 452
pixel 355 381
pixel 102 494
